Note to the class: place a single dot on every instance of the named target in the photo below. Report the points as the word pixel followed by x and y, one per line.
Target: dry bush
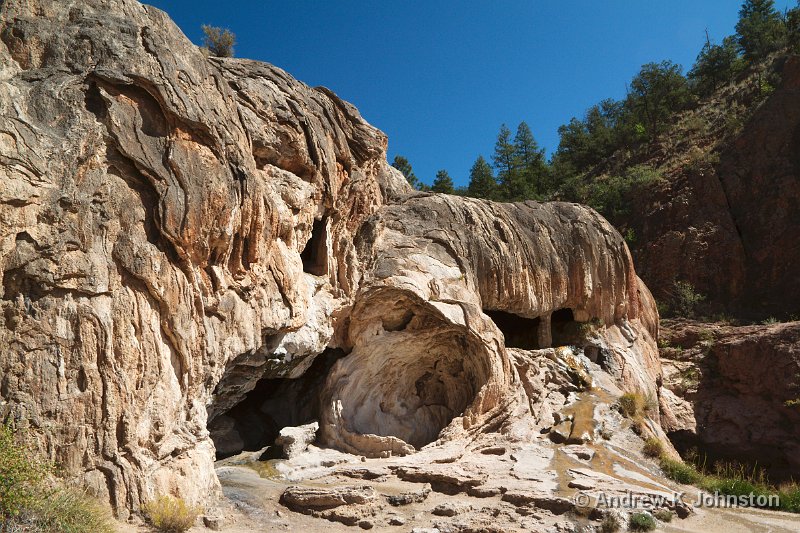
pixel 170 515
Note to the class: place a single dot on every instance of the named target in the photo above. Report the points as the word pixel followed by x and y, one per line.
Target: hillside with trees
pixel 637 159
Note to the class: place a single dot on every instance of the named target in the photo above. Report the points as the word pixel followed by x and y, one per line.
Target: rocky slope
pixel 723 217
pixel 199 252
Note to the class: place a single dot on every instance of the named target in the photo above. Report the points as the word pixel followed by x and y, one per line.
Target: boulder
pixel 295 440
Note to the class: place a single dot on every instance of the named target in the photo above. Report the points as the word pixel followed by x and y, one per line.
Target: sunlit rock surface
pixel 194 247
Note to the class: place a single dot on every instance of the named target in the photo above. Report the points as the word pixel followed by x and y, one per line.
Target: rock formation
pixel 733 393
pixel 724 217
pixel 192 244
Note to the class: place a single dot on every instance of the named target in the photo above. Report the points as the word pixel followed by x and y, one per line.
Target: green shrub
pixel 170 515
pixel 790 497
pixel 679 471
pixel 21 478
pixel 30 501
pixel 610 195
pixel 73 511
pixel 641 522
pixel 685 300
pixel 653 447
pixel 218 41
pixel 665 515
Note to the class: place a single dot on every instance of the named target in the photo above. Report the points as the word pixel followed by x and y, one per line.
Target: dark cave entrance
pixel 559 329
pixel 519 332
pixel 273 404
pixel 315 254
pixel 564 329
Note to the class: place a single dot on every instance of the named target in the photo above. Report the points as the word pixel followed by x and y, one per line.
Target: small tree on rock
pixel 401 163
pixel 218 41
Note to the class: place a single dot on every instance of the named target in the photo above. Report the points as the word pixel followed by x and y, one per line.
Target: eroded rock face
pixel 178 231
pixel 725 220
pixel 154 205
pixel 424 352
pixel 732 393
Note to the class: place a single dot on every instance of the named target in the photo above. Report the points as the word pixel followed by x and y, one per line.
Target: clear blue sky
pixel 439 77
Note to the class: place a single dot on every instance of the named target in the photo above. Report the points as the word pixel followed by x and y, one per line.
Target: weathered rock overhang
pixel 190 227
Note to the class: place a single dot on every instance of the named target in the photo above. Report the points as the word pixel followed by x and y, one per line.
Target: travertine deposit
pixel 198 252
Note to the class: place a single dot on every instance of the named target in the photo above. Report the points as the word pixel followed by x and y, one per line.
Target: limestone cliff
pixel 179 233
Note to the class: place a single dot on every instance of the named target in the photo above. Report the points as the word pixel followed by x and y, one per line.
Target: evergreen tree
pixel 583 144
pixel 481 180
pixel 716 65
pixel 402 164
pixel 505 162
pixel 443 183
pixel 656 92
pixel 760 29
pixel 793 29
pixel 530 160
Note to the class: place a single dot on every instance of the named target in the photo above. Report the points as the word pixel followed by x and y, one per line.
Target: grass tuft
pixel 733 479
pixel 653 447
pixel 610 524
pixel 171 515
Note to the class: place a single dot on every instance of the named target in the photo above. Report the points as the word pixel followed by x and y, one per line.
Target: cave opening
pixel 274 403
pixel 315 253
pixel 519 332
pixel 565 330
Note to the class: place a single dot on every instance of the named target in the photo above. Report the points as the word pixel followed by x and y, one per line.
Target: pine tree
pixel 793 29
pixel 530 160
pixel 402 164
pixel 443 183
pixel 716 65
pixel 585 143
pixel 656 92
pixel 481 181
pixel 505 162
pixel 760 29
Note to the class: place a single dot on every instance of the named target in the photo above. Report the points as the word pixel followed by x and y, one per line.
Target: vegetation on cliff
pixel 597 153
pixel 32 500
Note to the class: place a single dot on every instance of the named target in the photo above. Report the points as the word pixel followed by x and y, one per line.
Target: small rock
pixel 213 522
pixel 445 509
pixel 560 432
pixel 580 485
pixel 305 500
pixel 295 440
pixel 494 450
pixel 366 524
pixel 583 453
pixel 484 492
pixel 408 498
pixel 397 521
